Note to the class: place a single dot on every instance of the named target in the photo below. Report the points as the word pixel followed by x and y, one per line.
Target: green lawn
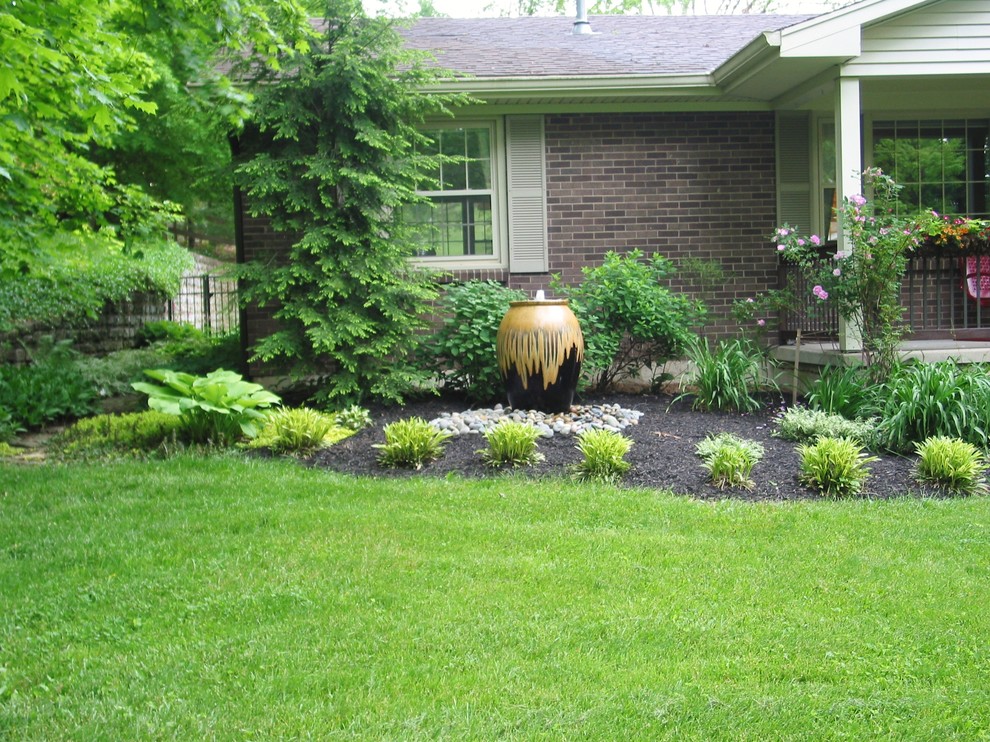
pixel 231 599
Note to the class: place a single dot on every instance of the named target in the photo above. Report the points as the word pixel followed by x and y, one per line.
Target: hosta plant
pixel 951 463
pixel 836 467
pixel 511 443
pixel 411 443
pixel 219 407
pixel 299 430
pixel 603 455
pixel 729 459
pixel 353 418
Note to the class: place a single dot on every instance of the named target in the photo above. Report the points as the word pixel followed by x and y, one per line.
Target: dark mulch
pixel 662 457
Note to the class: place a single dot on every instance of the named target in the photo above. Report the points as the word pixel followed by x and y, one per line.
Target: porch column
pixel 849 162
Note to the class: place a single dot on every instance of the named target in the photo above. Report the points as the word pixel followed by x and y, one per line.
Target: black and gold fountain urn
pixel 539 348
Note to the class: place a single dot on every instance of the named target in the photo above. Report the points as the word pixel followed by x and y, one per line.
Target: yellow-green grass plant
pixel 729 459
pixel 836 467
pixel 511 443
pixel 953 464
pixel 411 443
pixel 202 598
pixel 603 455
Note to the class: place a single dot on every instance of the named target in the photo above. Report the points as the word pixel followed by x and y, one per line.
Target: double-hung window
pixel 461 226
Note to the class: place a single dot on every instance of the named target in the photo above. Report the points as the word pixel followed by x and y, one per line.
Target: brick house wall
pixel 685 185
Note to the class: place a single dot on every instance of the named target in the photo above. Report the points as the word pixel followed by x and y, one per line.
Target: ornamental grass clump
pixel 952 464
pixel 511 443
pixel 299 430
pixel 729 459
pixel 603 454
pixel 411 443
pixel 805 425
pixel 836 467
pixel 922 400
pixel 727 376
pixel 845 391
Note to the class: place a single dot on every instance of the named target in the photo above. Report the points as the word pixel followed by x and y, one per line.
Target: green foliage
pixel 726 377
pixel 629 319
pixel 511 443
pixel 134 435
pixel 8 426
pixel 338 162
pixel 951 463
pixel 195 353
pixel 806 425
pixel 603 455
pixel 217 408
pixel 865 282
pixel 298 430
pixel 729 459
pixel 844 390
pixel 921 400
pixel 836 467
pixel 353 418
pixel 411 443
pixel 50 388
pixel 462 350
pixel 75 275
pixel 75 77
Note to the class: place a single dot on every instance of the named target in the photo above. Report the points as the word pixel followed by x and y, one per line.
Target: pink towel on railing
pixel 978 279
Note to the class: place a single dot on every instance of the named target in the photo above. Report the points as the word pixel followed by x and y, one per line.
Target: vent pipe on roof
pixel 581 24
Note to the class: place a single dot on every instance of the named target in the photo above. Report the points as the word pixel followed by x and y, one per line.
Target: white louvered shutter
pixel 527 194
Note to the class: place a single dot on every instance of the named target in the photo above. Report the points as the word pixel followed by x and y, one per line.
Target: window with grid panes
pixel 459 222
pixel 941 165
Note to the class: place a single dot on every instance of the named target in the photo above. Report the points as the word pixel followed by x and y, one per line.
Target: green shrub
pixel 629 319
pixel 922 400
pixel 108 436
pixel 353 418
pixel 727 377
pixel 845 391
pixel 836 467
pixel 411 443
pixel 298 430
pixel 513 443
pixel 217 408
pixel 603 453
pixel 50 388
pixel 951 463
pixel 805 425
pixel 729 459
pixel 461 353
pixel 111 375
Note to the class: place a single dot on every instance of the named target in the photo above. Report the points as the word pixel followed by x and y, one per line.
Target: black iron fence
pixel 206 301
pixel 945 294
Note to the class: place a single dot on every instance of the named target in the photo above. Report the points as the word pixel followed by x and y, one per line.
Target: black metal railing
pixel 940 300
pixel 206 301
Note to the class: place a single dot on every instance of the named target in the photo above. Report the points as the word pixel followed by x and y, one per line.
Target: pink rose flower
pixel 761 322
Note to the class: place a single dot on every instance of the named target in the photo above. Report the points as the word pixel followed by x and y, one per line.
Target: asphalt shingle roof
pixel 620 45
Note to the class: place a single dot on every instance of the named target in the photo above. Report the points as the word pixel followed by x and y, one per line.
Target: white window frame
pixel 499 259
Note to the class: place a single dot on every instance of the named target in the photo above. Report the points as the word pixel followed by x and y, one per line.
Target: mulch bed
pixel 662 457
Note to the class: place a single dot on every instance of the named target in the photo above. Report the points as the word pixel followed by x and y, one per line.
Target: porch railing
pixel 933 293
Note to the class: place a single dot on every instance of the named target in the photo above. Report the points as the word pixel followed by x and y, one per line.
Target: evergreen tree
pixel 337 156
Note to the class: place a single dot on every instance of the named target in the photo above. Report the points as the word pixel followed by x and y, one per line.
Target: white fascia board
pixel 573 85
pixel 839 33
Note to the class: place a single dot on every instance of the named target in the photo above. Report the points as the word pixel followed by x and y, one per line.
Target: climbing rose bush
pixel 864 282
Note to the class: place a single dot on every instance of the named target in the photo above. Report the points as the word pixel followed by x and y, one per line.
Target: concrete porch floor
pixel 930 351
